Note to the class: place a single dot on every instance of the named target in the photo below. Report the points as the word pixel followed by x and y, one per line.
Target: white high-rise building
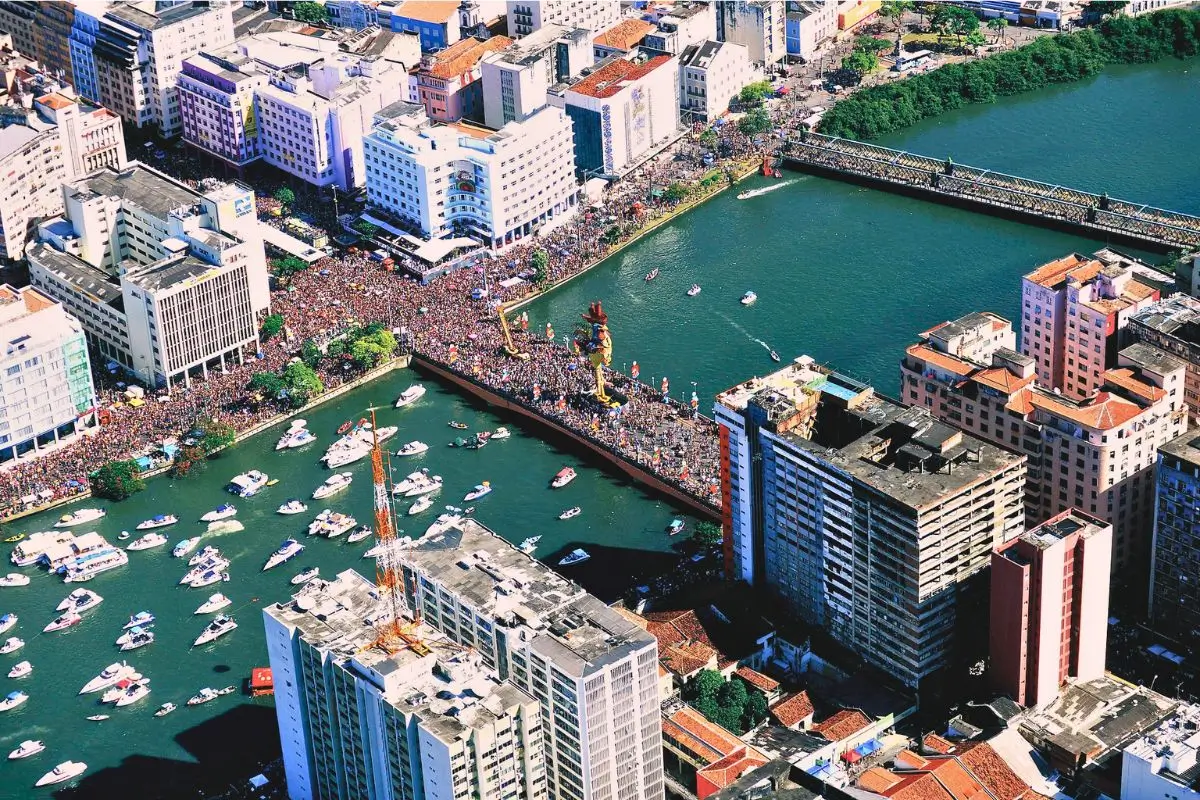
pixel 526 16
pixel 515 80
pixel 759 25
pixel 711 75
pixel 594 672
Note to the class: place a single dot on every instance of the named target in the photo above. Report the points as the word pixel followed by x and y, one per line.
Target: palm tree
pixel 998 24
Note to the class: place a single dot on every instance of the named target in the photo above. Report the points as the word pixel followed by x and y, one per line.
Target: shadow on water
pixel 612 571
pixel 227 749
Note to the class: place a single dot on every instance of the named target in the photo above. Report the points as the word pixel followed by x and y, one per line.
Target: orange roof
pixel 942 360
pixel 792 710
pixel 1128 380
pixel 994 773
pixel 937 744
pixel 1020 403
pixel 842 725
pixel 55 101
pixel 1001 380
pixel 1102 412
pixel 1137 290
pixel 731 767
pixel 463 56
pixel 879 780
pixel 614 76
pixel 707 740
pixel 261 677
pixel 958 781
pixel 757 679
pixel 1054 273
pixel 625 35
pixel 428 10
pixel 919 786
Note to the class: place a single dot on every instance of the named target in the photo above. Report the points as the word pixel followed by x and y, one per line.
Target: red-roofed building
pixel 767 686
pixel 843 725
pixel 696 747
pixel 448 82
pixel 719 774
pixel 794 711
pixel 975 772
pixel 621 38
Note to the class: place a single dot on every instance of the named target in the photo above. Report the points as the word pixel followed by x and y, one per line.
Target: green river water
pixel 845 274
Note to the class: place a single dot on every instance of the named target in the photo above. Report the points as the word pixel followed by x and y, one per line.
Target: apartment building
pixel 497 186
pixel 367 717
pixel 46 391
pixel 1049 609
pixel 1073 314
pixel 527 16
pixel 594 672
pixel 711 74
pixel 809 25
pixel 682 26
pixel 620 38
pixel 435 21
pixel 758 25
pixel 1173 326
pixel 58 139
pixel 17 19
pixel 1095 454
pixel 1174 590
pixel 852 13
pixel 40 29
pixel 517 79
pixel 1161 763
pixel 81 44
pixel 448 83
pixel 357 14
pixel 217 94
pixel 859 515
pixel 166 281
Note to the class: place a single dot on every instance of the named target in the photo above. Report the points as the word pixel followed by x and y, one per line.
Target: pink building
pixel 1049 608
pixel 1072 313
pixel 447 82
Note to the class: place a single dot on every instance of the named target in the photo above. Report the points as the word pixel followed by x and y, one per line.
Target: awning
pixel 258 781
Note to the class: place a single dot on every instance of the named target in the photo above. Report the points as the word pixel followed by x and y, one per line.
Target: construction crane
pixel 509 348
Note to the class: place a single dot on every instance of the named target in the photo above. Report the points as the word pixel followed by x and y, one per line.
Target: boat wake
pixel 225 526
pixel 746 195
pixel 745 332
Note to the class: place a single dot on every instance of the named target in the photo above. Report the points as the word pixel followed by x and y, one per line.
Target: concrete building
pixel 435 21
pixel 357 14
pixel 1163 763
pixel 710 76
pixel 517 79
pixel 166 281
pixel 593 671
pixel 527 16
pixel 46 391
pixel 40 30
pixel 852 13
pixel 448 82
pixel 859 515
pixel 1049 609
pixel 499 187
pixel 621 38
pixel 1174 588
pixel 809 25
pixel 623 111
pixel 1173 326
pixel 683 26
pixel 1096 454
pixel 1073 313
pixel 758 25
pixel 81 43
pixel 58 140
pixel 364 717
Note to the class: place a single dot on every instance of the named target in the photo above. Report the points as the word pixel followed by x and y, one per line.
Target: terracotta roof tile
pixel 958 781
pixel 842 725
pixel 1105 411
pixel 757 679
pixel 625 35
pixel 437 11
pixel 1054 273
pixel 708 740
pixel 879 780
pixel 937 744
pixel 613 77
pixel 463 56
pixel 942 360
pixel 1001 380
pixel 792 710
pixel 1127 379
pixel 919 786
pixel 733 766
pixel 991 770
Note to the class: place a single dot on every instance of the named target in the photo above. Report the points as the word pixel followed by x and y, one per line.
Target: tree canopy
pixel 271 326
pixel 895 10
pixel 860 62
pixel 117 480
pixel 368 346
pixel 755 93
pixel 268 383
pixel 216 434
pixel 732 704
pixel 283 194
pixel 284 267
pixel 301 383
pixel 754 122
pixel 310 12
pixel 707 534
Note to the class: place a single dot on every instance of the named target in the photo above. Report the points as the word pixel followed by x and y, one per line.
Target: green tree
pixel 998 26
pixel 756 121
pixel 895 10
pixel 707 534
pixel 706 684
pixel 188 461
pixel 117 480
pixel 677 192
pixel 216 435
pixel 861 63
pixel 755 710
pixel 754 93
pixel 708 138
pixel 285 267
pixel 271 326
pixel 313 13
pixel 336 348
pixel 975 39
pixel 283 194
pixel 611 236
pixel 372 348
pixel 733 694
pixel 872 44
pixel 310 354
pixel 267 383
pixel 301 382
pixel 365 228
pixel 948 20
pixel 1104 7
pixel 540 261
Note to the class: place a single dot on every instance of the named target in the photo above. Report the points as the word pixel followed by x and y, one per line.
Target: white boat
pixel 63 622
pixel 369 435
pixel 34 546
pixel 134 638
pixel 480 490
pixel 220 626
pixel 7 622
pixel 571 512
pixel 292 507
pixel 63 772
pixel 410 395
pixel 14 579
pixel 286 552
pixel 214 603
pixel 748 298
pixel 574 557
pixel 412 449
pixel 411 480
pixel 422 504
pixel 28 748
pixel 427 486
pixel 20 669
pixel 11 645
pixel 208 578
pixel 347 455
pixel 97 718
pixel 185 547
pixel 203 696
pixel 140 618
pixel 160 521
pixel 223 511
pixel 333 484
pixel 529 545
pixel 57 556
pixel 214 563
pixel 248 484
pixel 147 541
pixel 79 517
pixel 563 477
pixel 695 290
pixel 164 709
pixel 501 433
pixel 134 693
pixel 208 552
pixel 79 601
pixel 89 566
pixel 443 523
pixel 306 576
pixel 359 533
pixel 676 526
pixel 109 676
pixel 123 535
pixel 297 436
pixel 12 700
pixel 331 524
pixel 226 690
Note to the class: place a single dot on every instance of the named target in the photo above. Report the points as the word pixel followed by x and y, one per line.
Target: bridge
pixel 1060 207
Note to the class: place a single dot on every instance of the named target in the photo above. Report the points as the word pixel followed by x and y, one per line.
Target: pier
pixel 943 181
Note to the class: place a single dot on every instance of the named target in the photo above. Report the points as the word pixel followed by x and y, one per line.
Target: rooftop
pixel 1172 747
pixel 83 276
pixel 625 35
pixel 770 780
pixel 615 76
pixel 461 57
pixel 436 11
pixel 706 741
pixel 700 55
pixel 140 185
pixel 792 710
pixel 1177 316
pixel 842 725
pixel 1185 447
pixel 161 17
pixel 169 272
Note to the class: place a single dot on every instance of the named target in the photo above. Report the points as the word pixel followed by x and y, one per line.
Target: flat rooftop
pixel 169 271
pixel 80 274
pixel 1054 530
pixel 144 187
pixel 1185 447
pixel 1177 316
pixel 167 15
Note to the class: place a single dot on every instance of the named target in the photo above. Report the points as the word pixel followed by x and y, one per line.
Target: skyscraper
pixel 1175 575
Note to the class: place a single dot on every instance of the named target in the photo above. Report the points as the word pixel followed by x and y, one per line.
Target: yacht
pixel 185 547
pixel 359 533
pixel 529 545
pixel 11 645
pixel 220 626
pixel 292 506
pixel 223 511
pixel 458 426
pixel 147 541
pixel 27 748
pixel 286 552
pixel 134 693
pixel 34 546
pixel 443 523
pixel 14 579
pixel 226 690
pixel 164 709
pixel 209 552
pixel 410 481
pixel 160 521
pixel 774 356
pixel 109 676
pixel 422 504
pixel 79 517
pixel 20 669
pixel 63 622
pixel 134 638
pixel 119 688
pixel 412 449
pixel 13 700
pixel 563 477
pixel 480 490
pixel 410 395
pixel 57 556
pixel 333 484
pixel 369 435
pixel 208 578
pixel 306 576
pixel 748 298
pixel 7 622
pixel 63 772
pixel 248 484
pixel 97 718
pixel 140 618
pixel 213 563
pixel 343 456
pixel 571 512
pixel 675 527
pixel 89 566
pixel 79 601
pixel 695 290
pixel 214 603
pixel 297 435
pixel 574 557
pixel 331 524
pixel 426 486
pixel 501 433
pixel 203 696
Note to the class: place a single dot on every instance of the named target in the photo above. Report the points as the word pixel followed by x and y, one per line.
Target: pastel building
pixel 435 21
pixel 448 82
pixel 527 16
pixel 1161 763
pixel 517 79
pixel 711 74
pixel 682 26
pixel 1174 588
pixel 809 25
pixel 758 25
pixel 1173 326
pixel 620 38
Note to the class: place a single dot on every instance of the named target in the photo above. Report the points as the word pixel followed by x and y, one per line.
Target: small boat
pixel 164 709
pixel 135 638
pixel 443 523
pixel 220 626
pixel 422 504
pixel 695 290
pixel 292 507
pixel 97 718
pixel 109 676
pixel 458 442
pixel 501 433
pixel 369 436
pixel 458 426
pixel 203 696
pixel 359 533
pixel 223 511
pixel 63 622
pixel 334 484
pixel 748 298
pixel 412 449
pixel 79 517
pixel 14 579
pixel 675 527
pixel 428 486
pixel 563 477
pixel 652 274
pixel 273 482
pixel 480 490
pixel 356 450
pixel 147 541
pixel 20 669
pixel 294 439
pixel 306 576
pixel 67 769
pixel 11 645
pixel 208 578
pixel 7 622
pixel 286 552
pixel 209 552
pixel 410 395
pixel 140 618
pixel 571 512
pixel 214 603
pixel 15 538
pixel 344 427
pixel 478 441
pixel 80 600
pixel 185 547
pixel 134 693
pixel 27 748
pixel 160 521
pixel 12 700
pixel 774 356
pixel 410 480
pixel 247 484
pixel 226 690
pixel 123 535
pixel 574 557
pixel 529 545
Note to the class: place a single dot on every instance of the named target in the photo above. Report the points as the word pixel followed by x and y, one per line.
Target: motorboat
pixel 140 618
pixel 774 356
pixel 248 484
pixel 208 552
pixel 480 490
pixel 359 533
pixel 134 693
pixel 529 545
pixel 292 507
pixel 286 552
pixel 109 676
pixel 223 511
pixel 27 748
pixel 56 556
pixel 208 578
pixel 164 709
pixel 342 456
pixel 428 486
pixel 501 433
pixel 371 435
pixel 675 527
pixel 123 535
pixel 80 517
pixel 119 688
pixel 220 626
pixel 97 718
pixel 748 298
pixel 571 512
pixel 226 691
pixel 695 290
pixel 574 557
pixel 11 645
pixel 478 441
pixel 297 435
pixel 63 772
pixel 333 484
pixel 412 449
pixel 34 546
pixel 185 547
pixel 563 477
pixel 203 696
pixel 20 669
pixel 306 576
pixel 214 603
pixel 63 622
pixel 443 523
pixel 7 622
pixel 160 521
pixel 92 564
pixel 12 700
pixel 410 480
pixel 214 563
pixel 147 541
pixel 652 274
pixel 14 579
pixel 458 426
pixel 331 524
pixel 79 601
pixel 410 395
pixel 135 638
pixel 422 504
